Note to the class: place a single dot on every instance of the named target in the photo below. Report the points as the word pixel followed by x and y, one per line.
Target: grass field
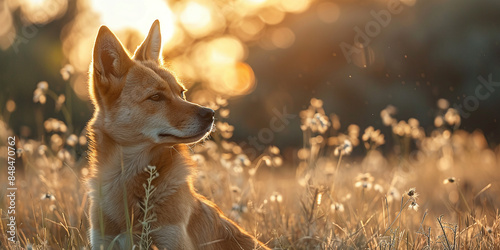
pixel 430 190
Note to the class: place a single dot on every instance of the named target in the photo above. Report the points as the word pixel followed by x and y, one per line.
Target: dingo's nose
pixel 206 113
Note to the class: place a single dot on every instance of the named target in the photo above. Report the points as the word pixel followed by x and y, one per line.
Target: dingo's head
pixel 137 100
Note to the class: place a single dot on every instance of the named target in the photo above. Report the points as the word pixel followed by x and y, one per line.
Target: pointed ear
pixel 150 49
pixel 110 58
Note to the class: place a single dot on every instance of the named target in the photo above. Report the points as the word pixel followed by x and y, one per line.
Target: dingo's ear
pixel 110 58
pixel 150 49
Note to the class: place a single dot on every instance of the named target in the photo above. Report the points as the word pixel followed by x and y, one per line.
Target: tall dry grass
pixel 430 189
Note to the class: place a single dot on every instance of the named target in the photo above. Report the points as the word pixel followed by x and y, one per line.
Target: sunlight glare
pixel 254 3
pixel 36 3
pixel 295 6
pixel 226 50
pixel 198 18
pixel 195 15
pixel 122 14
pixel 43 11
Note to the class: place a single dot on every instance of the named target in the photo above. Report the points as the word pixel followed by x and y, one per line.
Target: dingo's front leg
pixel 98 241
pixel 172 237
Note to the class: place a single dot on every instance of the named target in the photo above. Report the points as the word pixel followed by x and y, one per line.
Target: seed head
pixel 337 207
pixel 413 205
pixel 48 196
pixel 449 180
pixel 276 197
pixel 412 193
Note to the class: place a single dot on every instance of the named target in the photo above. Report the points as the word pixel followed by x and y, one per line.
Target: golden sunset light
pixel 249 124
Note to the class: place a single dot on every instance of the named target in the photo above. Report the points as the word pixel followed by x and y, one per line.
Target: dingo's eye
pixel 155 97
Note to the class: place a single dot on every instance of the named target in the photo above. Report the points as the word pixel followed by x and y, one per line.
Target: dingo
pixel 142 118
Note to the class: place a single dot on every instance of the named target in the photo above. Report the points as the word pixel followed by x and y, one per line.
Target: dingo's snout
pixel 206 114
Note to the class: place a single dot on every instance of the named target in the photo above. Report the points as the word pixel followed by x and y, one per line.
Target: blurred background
pixel 257 59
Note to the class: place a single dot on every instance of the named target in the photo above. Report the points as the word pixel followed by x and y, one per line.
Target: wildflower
pixel 54 125
pixel 303 154
pixel 60 101
pixel 364 181
pixel 378 188
pixel 372 138
pixel 322 122
pixel 335 121
pixel 39 93
pixel 317 140
pixel 47 196
pixel 239 208
pixel 19 152
pixel 236 150
pixel 393 194
pixel 43 85
pixel 267 161
pixel 42 149
pixel 412 193
pixel 198 158
pixel 225 129
pixel 10 106
pixel 221 101
pixel 346 197
pixel 82 140
pixel 276 197
pixel 225 163
pixel 252 171
pixel 72 140
pixel 66 71
pixel 401 129
pixel 353 133
pixel 55 142
pixel 438 121
pixel 452 117
pixel 344 149
pixel 413 205
pixel 242 160
pixel 386 115
pixel 84 172
pixel 277 161
pixel 368 131
pixel 449 180
pixel 413 123
pixel 224 113
pixel 64 155
pixel 238 169
pixel 52 207
pixel 337 207
pixel 303 181
pixel 235 189
pixel 150 168
pixel 274 150
pixel 443 104
pixel 316 103
pixel 329 170
pixel 314 118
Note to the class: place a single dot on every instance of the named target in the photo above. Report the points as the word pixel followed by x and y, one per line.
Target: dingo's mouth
pixel 192 138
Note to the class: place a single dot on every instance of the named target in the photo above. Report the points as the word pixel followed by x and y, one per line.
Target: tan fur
pixel 141 119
